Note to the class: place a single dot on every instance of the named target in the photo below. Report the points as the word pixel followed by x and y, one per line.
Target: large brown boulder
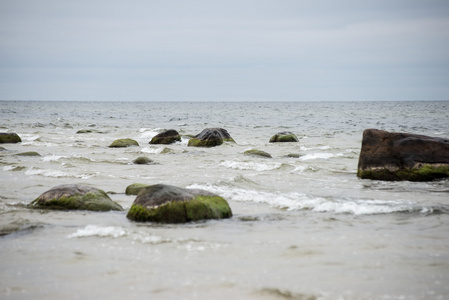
pixel 166 137
pixel 402 156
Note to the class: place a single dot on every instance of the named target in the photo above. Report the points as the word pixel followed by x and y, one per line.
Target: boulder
pixel 121 143
pixel 143 160
pixel 9 137
pixel 169 204
pixel 255 152
pixel 167 137
pixel 75 197
pixel 402 156
pixel 135 188
pixel 284 136
pixel 29 153
pixel 210 137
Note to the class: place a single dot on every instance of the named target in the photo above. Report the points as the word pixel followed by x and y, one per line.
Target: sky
pixel 228 50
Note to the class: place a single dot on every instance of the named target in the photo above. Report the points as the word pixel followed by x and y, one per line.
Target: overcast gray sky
pixel 301 50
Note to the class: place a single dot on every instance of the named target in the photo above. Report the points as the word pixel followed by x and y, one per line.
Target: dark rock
pixel 255 152
pixel 170 204
pixel 121 143
pixel 294 155
pixel 135 188
pixel 402 156
pixel 143 160
pixel 211 137
pixel 285 136
pixel 167 137
pixel 30 153
pixel 75 197
pixel 9 137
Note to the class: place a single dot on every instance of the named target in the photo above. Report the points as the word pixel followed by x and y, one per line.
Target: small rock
pixel 255 152
pixel 167 137
pixel 282 137
pixel 135 188
pixel 30 153
pixel 143 160
pixel 210 137
pixel 11 138
pixel 122 143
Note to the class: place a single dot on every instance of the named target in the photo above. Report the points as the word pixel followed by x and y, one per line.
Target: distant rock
pixel 9 138
pixel 169 204
pixel 210 137
pixel 294 155
pixel 143 160
pixel 3 149
pixel 284 136
pixel 135 188
pixel 122 143
pixel 75 197
pixel 167 137
pixel 402 156
pixel 30 153
pixel 255 152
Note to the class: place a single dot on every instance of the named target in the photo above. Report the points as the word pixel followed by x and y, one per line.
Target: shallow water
pixel 303 228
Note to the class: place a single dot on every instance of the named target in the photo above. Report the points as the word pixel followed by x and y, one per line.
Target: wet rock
pixel 284 136
pixel 294 155
pixel 75 197
pixel 169 204
pixel 9 137
pixel 3 149
pixel 30 153
pixel 255 152
pixel 402 156
pixel 210 137
pixel 122 143
pixel 135 188
pixel 167 137
pixel 143 160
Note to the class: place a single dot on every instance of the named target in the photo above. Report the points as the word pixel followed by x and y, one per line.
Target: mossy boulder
pixel 75 197
pixel 122 143
pixel 9 138
pixel 255 152
pixel 135 188
pixel 402 156
pixel 167 137
pixel 210 137
pixel 143 160
pixel 169 204
pixel 29 153
pixel 284 136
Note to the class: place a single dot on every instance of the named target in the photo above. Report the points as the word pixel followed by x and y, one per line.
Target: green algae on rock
pixel 167 137
pixel 283 137
pixel 402 156
pixel 255 152
pixel 122 143
pixel 135 188
pixel 9 138
pixel 143 160
pixel 29 153
pixel 211 137
pixel 75 197
pixel 169 204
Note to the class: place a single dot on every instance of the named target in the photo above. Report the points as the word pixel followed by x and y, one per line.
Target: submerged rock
pixel 284 136
pixel 121 143
pixel 210 137
pixel 143 160
pixel 135 188
pixel 255 152
pixel 75 197
pixel 10 138
pixel 167 137
pixel 30 153
pixel 170 204
pixel 402 156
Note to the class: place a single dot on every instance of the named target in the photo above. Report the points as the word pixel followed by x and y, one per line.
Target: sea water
pixel 304 225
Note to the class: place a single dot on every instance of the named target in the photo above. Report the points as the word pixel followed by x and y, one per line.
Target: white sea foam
pixel 152 150
pixel 300 201
pixel 304 148
pixel 255 166
pixel 148 133
pixel 94 230
pixel 52 158
pixel 46 173
pixel 9 168
pixel 318 155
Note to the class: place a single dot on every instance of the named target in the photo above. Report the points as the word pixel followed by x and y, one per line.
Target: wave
pixel 56 173
pixel 322 155
pixel 254 166
pixel 299 201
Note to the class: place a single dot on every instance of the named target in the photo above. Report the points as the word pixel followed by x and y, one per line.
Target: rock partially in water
pixel 294 155
pixel 143 160
pixel 402 156
pixel 135 188
pixel 284 136
pixel 29 153
pixel 9 138
pixel 255 152
pixel 169 204
pixel 167 137
pixel 122 143
pixel 211 137
pixel 75 197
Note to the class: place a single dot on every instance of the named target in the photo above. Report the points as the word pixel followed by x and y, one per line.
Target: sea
pixel 304 226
